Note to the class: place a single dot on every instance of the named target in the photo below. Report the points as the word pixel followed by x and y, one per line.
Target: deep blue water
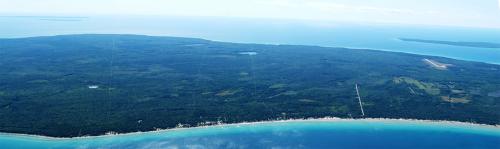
pixel 335 34
pixel 305 134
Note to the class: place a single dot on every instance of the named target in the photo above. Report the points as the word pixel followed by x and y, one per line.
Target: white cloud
pixel 443 12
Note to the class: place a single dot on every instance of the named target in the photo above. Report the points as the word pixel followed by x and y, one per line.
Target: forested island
pixel 77 85
pixel 455 43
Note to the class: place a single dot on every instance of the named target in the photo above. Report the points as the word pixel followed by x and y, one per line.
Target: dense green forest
pixel 77 85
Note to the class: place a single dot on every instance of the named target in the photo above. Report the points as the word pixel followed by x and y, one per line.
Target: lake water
pixel 344 134
pixel 292 134
pixel 335 34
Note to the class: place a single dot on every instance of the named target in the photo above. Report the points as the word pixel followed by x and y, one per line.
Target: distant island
pixel 51 18
pixel 93 84
pixel 463 44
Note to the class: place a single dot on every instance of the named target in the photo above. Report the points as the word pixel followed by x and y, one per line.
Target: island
pixel 454 43
pixel 93 84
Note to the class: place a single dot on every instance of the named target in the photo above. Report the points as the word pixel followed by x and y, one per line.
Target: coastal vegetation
pixel 76 85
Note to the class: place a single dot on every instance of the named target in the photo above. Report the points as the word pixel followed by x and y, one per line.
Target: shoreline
pixel 219 125
pixel 280 44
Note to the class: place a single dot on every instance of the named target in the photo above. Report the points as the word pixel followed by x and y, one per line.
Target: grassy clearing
pixel 455 99
pixel 275 86
pixel 307 100
pixel 228 92
pixel 429 88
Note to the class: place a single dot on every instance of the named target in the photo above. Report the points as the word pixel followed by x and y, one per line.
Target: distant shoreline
pixel 325 119
pixel 455 43
pixel 278 44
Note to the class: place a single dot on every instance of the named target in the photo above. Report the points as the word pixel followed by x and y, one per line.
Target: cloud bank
pixel 443 12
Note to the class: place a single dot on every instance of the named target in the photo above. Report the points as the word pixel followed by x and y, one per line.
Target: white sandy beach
pixel 243 124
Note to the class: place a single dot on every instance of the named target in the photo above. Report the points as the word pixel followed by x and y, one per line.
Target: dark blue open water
pixel 391 134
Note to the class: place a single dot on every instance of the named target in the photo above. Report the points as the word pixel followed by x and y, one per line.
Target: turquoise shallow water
pixel 293 134
pixel 346 134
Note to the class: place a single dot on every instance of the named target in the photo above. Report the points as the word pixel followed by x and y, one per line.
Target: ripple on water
pixel 318 133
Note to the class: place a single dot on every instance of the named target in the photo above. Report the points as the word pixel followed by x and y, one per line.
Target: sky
pixel 471 13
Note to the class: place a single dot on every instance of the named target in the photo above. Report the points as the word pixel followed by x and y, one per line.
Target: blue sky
pixel 473 13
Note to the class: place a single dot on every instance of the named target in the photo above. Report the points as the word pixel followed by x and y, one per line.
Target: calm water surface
pixel 335 34
pixel 349 134
pixel 297 134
